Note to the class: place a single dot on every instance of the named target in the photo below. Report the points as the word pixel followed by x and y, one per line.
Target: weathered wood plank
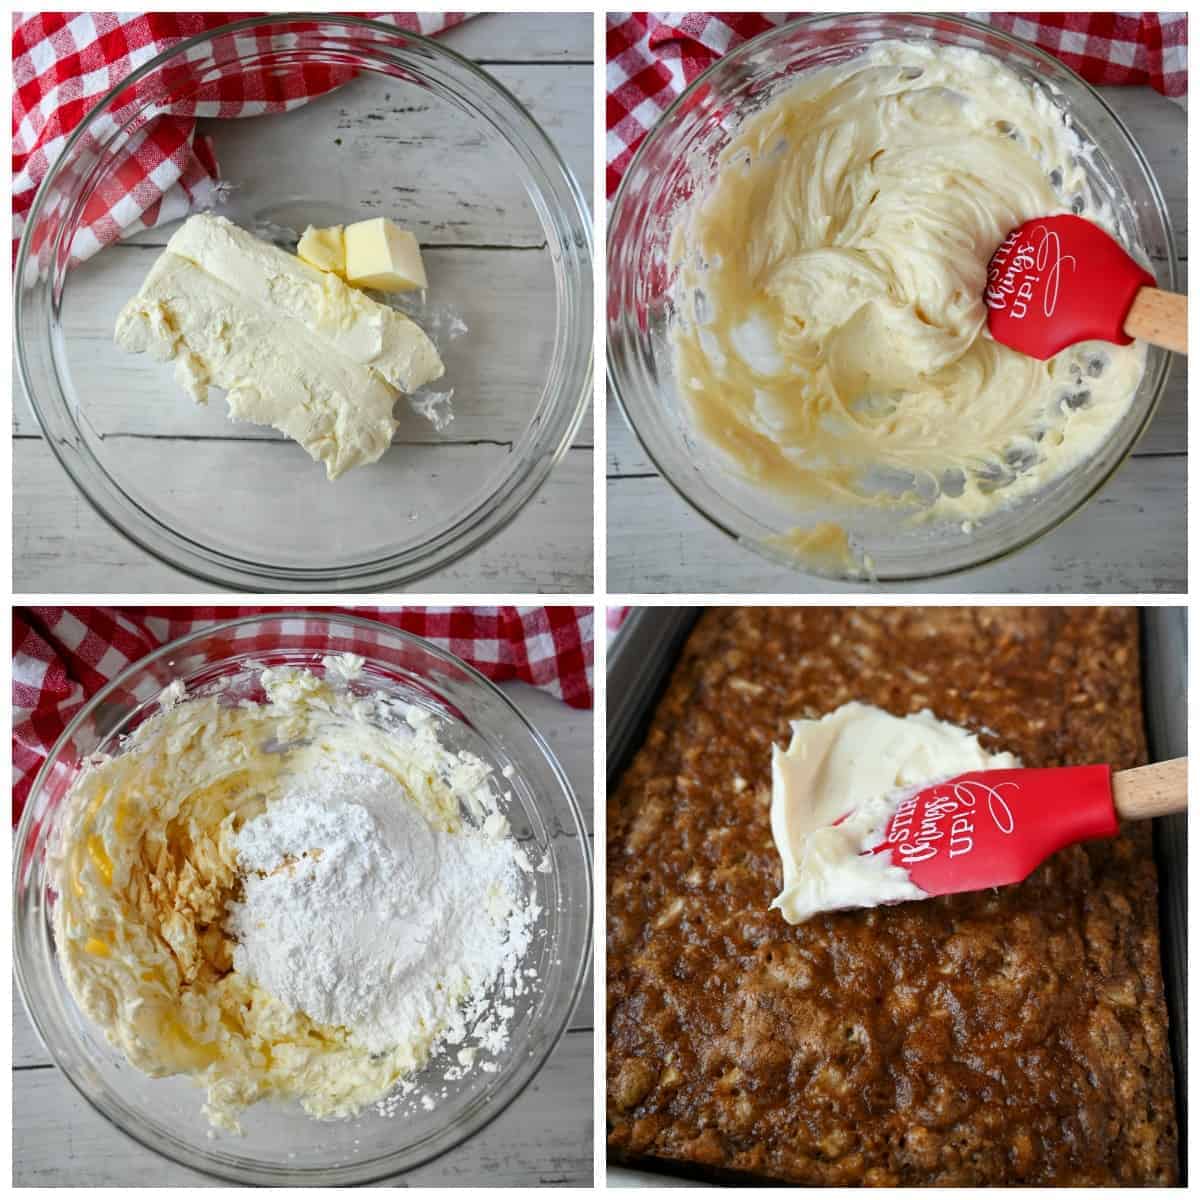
pixel 495 369
pixel 558 97
pixel 545 1137
pixel 27 1048
pixel 61 545
pixel 1130 538
pixel 387 148
pixel 1159 127
pixel 524 38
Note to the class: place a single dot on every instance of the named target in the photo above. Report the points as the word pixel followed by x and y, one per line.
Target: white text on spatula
pixel 957 807
pixel 1044 256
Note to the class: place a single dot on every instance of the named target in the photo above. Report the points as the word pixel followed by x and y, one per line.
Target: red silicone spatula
pixel 992 828
pixel 1060 280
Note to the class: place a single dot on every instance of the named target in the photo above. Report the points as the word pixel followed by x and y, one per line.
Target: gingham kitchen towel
pixel 64 63
pixel 652 57
pixel 61 656
pixel 614 618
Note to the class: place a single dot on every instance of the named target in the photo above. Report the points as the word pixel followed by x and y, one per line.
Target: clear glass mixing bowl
pixel 282 1145
pixel 507 239
pixel 678 160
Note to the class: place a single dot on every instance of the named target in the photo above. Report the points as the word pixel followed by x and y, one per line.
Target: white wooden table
pixel 61 545
pixel 1130 538
pixel 544 1138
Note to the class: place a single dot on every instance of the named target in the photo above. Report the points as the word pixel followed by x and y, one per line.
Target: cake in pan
pixel 1015 1036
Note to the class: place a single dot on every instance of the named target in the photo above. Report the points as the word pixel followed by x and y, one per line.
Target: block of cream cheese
pixel 324 249
pixel 294 347
pixel 379 254
pixel 365 331
pixel 274 371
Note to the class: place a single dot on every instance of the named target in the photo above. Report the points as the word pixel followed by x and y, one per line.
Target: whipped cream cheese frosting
pixel 860 760
pixel 148 864
pixel 830 330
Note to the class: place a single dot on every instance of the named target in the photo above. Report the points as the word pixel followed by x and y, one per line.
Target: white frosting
pixel 859 760
pixel 830 331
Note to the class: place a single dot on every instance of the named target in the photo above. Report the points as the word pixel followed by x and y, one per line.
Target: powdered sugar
pixel 361 913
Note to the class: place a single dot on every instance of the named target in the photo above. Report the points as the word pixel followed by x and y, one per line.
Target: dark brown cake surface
pixel 1017 1036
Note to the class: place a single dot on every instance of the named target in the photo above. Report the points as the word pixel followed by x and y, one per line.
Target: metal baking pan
pixel 640 661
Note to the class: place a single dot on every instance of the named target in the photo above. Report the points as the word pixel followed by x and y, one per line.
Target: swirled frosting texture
pixel 830 335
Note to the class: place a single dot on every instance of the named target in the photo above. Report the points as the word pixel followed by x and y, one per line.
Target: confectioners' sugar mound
pixel 360 913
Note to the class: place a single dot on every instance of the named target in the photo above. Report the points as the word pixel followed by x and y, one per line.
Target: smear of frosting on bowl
pixel 830 332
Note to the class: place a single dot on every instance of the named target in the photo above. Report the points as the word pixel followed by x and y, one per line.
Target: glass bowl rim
pixel 488 516
pixel 380 1169
pixel 705 508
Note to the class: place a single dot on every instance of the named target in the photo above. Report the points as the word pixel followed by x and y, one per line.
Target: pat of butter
pixel 324 249
pixel 379 254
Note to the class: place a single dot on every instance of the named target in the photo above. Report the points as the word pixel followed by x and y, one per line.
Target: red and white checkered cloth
pixel 614 618
pixel 61 656
pixel 652 57
pixel 64 63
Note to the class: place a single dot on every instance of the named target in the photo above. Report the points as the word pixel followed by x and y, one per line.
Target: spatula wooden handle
pixel 1153 791
pixel 1159 318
